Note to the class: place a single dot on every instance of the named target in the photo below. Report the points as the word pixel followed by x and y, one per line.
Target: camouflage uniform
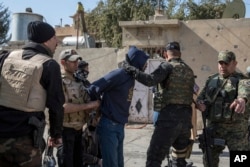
pixel 225 123
pixel 19 152
pixel 244 88
pixel 175 118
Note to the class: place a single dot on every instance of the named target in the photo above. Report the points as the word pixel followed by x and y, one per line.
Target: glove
pixel 131 70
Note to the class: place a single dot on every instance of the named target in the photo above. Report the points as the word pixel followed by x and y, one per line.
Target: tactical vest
pixel 221 93
pixel 178 88
pixel 74 93
pixel 20 86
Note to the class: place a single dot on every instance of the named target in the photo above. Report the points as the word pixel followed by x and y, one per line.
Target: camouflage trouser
pixel 15 152
pixel 236 137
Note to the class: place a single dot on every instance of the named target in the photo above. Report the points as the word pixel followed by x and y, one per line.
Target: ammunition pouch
pixel 158 105
pixel 220 111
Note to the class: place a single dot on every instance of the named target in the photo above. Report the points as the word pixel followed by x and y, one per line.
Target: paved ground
pixel 137 140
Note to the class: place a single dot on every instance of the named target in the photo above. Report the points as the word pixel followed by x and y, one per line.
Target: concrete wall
pixel 101 61
pixel 200 41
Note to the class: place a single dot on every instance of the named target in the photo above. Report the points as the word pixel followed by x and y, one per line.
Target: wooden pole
pixel 77 31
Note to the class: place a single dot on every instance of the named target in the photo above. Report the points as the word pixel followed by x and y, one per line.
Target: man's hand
pixel 131 70
pixel 200 105
pixel 54 142
pixel 238 105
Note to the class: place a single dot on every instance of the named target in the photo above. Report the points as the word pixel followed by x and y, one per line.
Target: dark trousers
pixel 72 147
pixel 172 129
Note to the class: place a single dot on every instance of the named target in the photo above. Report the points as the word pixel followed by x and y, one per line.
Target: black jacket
pixel 14 123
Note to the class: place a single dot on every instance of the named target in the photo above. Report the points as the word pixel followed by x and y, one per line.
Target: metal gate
pixel 141 108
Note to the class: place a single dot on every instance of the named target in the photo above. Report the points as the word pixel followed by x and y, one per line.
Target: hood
pixel 136 57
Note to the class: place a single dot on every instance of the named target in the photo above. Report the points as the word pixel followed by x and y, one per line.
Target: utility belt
pixel 159 106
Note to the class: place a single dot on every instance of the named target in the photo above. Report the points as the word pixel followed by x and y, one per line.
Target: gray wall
pixel 200 41
pixel 101 61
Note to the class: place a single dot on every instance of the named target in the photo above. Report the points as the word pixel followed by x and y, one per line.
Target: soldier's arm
pixel 201 96
pixel 239 104
pixel 157 76
pixel 52 82
pixel 72 107
pixel 201 99
pixel 244 89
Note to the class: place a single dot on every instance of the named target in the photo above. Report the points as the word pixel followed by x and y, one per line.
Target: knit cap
pixel 39 31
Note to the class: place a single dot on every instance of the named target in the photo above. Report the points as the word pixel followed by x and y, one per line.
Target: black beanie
pixel 39 31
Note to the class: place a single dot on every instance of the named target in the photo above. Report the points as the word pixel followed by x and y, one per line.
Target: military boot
pixel 189 164
pixel 180 162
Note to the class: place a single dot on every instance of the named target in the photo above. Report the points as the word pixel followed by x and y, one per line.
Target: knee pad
pixel 179 153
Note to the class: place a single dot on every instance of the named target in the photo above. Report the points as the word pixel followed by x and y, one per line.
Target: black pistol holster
pixel 39 126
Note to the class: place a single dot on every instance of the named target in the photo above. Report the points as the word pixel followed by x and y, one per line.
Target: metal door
pixel 141 108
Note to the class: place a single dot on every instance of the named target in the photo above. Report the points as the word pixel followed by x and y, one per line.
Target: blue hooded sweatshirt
pixel 116 88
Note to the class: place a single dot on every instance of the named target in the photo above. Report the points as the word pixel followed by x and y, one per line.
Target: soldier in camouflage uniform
pixel 174 123
pixel 225 95
pixel 76 110
pixel 248 104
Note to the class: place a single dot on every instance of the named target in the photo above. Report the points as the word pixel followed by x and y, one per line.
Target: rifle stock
pixel 207 141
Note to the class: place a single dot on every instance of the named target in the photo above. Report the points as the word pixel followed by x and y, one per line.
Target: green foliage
pixel 103 21
pixel 212 9
pixel 4 24
pixel 190 10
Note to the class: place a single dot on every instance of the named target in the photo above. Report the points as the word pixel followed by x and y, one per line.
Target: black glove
pixel 131 70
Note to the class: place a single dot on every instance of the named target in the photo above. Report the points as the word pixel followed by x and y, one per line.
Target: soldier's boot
pixel 189 164
pixel 181 162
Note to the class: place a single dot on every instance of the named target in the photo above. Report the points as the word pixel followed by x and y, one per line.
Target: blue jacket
pixel 116 88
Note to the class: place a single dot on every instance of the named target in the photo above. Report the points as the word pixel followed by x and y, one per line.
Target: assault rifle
pixel 80 76
pixel 38 132
pixel 207 141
